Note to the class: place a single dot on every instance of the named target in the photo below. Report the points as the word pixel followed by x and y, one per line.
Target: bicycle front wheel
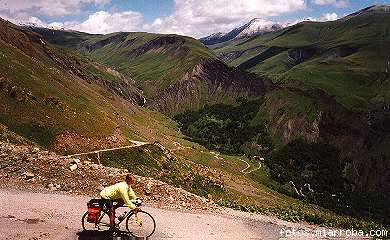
pixel 140 224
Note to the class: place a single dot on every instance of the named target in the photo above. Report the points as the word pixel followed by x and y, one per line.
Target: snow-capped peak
pixel 215 35
pixel 258 26
pixel 255 27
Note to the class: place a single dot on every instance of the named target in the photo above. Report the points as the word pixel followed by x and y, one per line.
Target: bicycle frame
pixel 109 225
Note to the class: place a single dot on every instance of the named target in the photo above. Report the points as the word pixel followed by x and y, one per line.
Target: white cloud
pixel 323 18
pixel 105 22
pixel 329 17
pixel 99 22
pixel 336 3
pixel 47 7
pixel 202 17
pixel 324 2
pixel 296 21
pixel 342 3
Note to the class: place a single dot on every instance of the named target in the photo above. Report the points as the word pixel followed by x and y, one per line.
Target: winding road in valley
pixel 244 171
pixel 56 216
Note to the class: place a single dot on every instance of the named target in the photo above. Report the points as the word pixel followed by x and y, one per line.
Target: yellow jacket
pixel 119 191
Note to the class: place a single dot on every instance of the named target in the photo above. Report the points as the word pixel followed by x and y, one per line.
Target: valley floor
pixel 55 216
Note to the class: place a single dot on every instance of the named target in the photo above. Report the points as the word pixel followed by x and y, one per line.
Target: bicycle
pixel 139 223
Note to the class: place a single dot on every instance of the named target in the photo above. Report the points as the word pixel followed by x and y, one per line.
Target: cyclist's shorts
pixel 106 203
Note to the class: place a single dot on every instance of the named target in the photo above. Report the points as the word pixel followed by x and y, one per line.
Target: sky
pixel 196 18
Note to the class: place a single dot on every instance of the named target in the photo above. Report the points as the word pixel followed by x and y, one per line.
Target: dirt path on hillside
pixel 135 144
pixel 36 216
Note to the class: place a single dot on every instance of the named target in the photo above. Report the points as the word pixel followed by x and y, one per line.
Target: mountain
pixel 326 90
pixel 60 99
pixel 67 102
pixel 73 92
pixel 155 63
pixel 88 88
pixel 352 45
pixel 329 77
pixel 255 27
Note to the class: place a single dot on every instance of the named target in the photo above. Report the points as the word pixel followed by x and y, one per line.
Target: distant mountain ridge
pixel 347 60
pixel 256 26
pixel 160 63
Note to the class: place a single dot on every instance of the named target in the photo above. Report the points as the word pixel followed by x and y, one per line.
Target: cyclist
pixel 120 192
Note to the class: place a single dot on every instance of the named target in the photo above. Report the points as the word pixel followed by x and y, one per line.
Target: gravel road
pixel 55 216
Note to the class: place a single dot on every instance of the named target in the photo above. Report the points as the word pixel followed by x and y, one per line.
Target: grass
pixel 153 70
pixel 299 215
pixel 40 134
pixel 59 102
pixel 41 78
pixel 149 161
pixel 350 62
pixel 274 65
pixel 354 88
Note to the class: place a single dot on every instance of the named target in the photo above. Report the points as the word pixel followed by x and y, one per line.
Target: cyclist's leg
pixel 110 207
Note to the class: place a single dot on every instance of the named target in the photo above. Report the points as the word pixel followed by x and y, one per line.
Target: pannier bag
pixel 94 210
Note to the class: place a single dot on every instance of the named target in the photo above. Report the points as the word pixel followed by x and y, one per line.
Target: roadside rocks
pixel 28 175
pixel 76 161
pixel 53 187
pixel 94 166
pixel 73 167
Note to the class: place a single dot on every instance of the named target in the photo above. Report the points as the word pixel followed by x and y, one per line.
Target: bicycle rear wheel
pixel 140 224
pixel 103 223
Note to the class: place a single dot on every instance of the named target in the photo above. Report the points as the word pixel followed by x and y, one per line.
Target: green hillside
pixel 69 104
pixel 349 58
pixel 332 88
pixel 154 61
pixel 174 73
pixel 65 102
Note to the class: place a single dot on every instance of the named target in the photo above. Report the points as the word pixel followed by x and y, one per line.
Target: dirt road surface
pixel 56 216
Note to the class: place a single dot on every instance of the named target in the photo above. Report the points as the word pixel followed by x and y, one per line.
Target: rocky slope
pixel 29 167
pixel 210 82
pixel 334 124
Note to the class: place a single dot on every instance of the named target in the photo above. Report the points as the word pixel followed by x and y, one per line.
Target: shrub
pixel 228 128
